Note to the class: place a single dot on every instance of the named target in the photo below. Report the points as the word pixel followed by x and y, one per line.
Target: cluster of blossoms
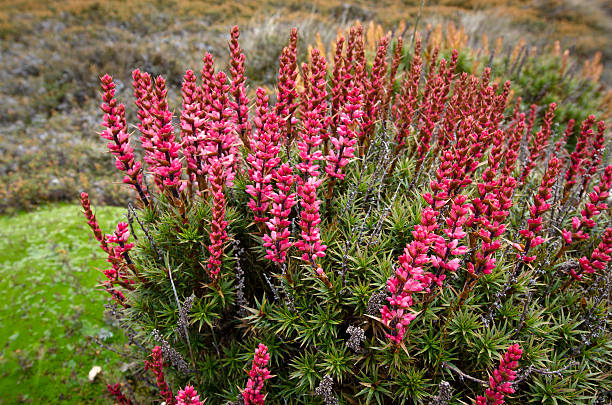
pixel 240 102
pixel 599 258
pixel 579 158
pixel 157 366
pixel 500 383
pixel 540 141
pixel 188 396
pixel 536 211
pixel 409 277
pixel 263 160
pixel 115 391
pixel 277 242
pixel 116 133
pixel 593 207
pixel 218 234
pixel 117 248
pixel 259 373
pixel 344 143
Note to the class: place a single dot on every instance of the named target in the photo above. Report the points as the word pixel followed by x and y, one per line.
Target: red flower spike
pixel 218 235
pixel 500 383
pixel 163 158
pixel 240 102
pixel 539 207
pixel 188 396
pixel 593 207
pixel 156 366
pixel 192 127
pixel 409 277
pixel 259 373
pixel 343 144
pixel 263 159
pixel 277 241
pixel 221 141
pixel 578 156
pixel 115 392
pixel 286 104
pixel 540 141
pixel 116 133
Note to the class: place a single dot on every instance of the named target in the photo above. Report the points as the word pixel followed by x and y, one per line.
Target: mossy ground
pixel 50 308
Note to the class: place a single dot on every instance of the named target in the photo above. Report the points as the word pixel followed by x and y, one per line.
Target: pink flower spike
pixel 263 159
pixel 188 396
pixel 259 373
pixel 500 383
pixel 240 102
pixel 277 241
pixel 218 235
pixel 116 133
pixel 157 365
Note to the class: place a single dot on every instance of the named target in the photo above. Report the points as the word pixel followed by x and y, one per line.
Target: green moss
pixel 50 307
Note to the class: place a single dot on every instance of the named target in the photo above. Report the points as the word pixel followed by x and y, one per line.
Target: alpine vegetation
pixel 380 228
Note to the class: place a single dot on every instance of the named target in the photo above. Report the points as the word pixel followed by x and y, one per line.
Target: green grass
pixel 50 307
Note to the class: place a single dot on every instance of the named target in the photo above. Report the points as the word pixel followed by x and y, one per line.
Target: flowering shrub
pixel 370 243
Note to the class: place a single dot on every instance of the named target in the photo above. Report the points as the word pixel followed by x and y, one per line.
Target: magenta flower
pixel 92 221
pixel 119 397
pixel 536 211
pixel 409 277
pixel 500 383
pixel 252 394
pixel 599 258
pixel 447 250
pixel 374 88
pixel 286 103
pixel 157 365
pixel 593 207
pixel 540 141
pixel 119 145
pixel 218 235
pixel 310 237
pixel 163 159
pixel 240 102
pixel 188 396
pixel 579 157
pixel 343 144
pixel 406 102
pixel 221 141
pixel 263 159
pixel 277 241
pixel 192 127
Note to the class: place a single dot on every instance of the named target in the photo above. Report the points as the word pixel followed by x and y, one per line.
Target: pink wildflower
pixel 343 145
pixel 252 394
pixel 157 365
pixel 240 102
pixel 188 396
pixel 164 158
pixel 540 141
pixel 500 383
pixel 409 277
pixel 119 397
pixel 599 258
pixel 593 207
pixel 119 145
pixel 263 158
pixel 539 207
pixel 277 241
pixel 218 235
pixel 221 142
pixel 287 94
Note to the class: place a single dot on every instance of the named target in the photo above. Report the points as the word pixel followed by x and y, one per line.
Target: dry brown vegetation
pixel 54 51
